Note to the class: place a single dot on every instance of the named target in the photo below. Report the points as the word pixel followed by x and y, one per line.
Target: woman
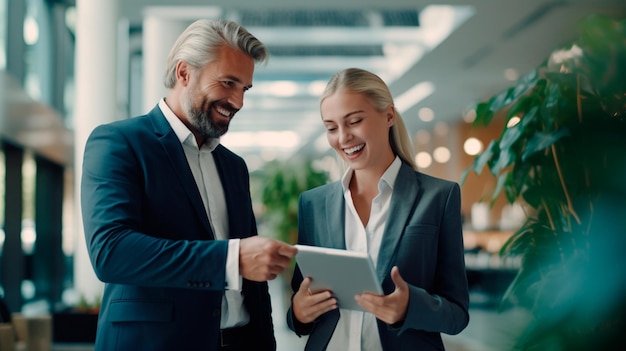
pixel 409 223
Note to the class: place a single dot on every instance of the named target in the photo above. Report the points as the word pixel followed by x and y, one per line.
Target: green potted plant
pixel 282 183
pixel 562 153
pixel 278 186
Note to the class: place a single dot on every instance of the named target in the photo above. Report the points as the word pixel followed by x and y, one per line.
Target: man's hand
pixel 262 259
pixel 391 308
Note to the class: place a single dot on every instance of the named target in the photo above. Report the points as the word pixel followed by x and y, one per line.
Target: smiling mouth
pixel 354 149
pixel 224 112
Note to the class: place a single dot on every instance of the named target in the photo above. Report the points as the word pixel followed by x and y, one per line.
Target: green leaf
pixel 499 101
pixel 481 161
pixel 509 137
pixel 499 186
pixel 520 106
pixel 525 83
pixel 510 188
pixel 484 114
pixel 540 141
pixel 505 159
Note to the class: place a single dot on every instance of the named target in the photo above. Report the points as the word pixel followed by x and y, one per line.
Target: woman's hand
pixel 307 306
pixel 391 308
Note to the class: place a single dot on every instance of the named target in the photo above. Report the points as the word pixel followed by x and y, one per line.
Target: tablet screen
pixel 345 273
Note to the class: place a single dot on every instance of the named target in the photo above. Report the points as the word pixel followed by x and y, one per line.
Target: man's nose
pixel 236 99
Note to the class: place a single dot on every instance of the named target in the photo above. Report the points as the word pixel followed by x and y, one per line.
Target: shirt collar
pixel 389 177
pixel 185 136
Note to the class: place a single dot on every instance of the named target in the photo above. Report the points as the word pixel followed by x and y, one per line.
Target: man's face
pixel 215 92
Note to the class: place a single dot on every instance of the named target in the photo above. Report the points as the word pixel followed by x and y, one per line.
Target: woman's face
pixel 357 131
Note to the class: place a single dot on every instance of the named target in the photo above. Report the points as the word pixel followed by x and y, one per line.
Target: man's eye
pixel 228 83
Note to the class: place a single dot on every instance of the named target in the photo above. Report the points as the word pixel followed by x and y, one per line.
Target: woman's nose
pixel 344 135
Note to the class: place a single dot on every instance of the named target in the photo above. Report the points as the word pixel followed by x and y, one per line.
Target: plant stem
pixel 550 220
pixel 558 171
pixel 579 103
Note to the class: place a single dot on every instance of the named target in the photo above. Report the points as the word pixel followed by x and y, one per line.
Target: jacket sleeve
pixel 444 308
pixel 117 202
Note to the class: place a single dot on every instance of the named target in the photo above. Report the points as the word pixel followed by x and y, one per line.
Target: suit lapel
pixel 406 192
pixel 178 161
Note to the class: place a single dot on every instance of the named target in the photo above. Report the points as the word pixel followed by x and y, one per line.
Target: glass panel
pixel 3 31
pixel 29 234
pixel 2 182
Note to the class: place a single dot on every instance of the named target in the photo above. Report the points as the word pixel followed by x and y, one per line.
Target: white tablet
pixel 345 273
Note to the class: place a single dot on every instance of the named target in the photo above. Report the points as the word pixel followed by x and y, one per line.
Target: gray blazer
pixel 423 237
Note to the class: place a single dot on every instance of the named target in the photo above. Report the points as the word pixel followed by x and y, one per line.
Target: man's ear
pixel 183 73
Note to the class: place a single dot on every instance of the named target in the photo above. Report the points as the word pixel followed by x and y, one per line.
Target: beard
pixel 202 120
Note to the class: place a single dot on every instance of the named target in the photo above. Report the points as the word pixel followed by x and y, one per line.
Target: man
pixel 167 211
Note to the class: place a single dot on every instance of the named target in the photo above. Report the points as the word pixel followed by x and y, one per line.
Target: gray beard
pixel 204 124
pixel 202 121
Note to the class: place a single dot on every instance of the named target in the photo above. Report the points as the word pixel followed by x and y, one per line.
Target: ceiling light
pixel 426 114
pixel 411 97
pixel 472 146
pixel 31 30
pixel 276 139
pixel 438 21
pixel 442 154
pixel 470 116
pixel 511 74
pixel 423 159
pixel 284 88
pixel 513 121
pixel 316 87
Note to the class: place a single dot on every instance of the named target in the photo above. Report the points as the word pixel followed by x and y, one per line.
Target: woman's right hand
pixel 307 306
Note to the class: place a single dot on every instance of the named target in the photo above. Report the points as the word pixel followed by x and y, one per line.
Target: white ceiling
pixel 487 38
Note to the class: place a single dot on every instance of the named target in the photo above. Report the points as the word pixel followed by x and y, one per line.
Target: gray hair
pixel 363 82
pixel 199 43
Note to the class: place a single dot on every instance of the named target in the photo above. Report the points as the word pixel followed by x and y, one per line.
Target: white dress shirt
pixel 207 179
pixel 358 331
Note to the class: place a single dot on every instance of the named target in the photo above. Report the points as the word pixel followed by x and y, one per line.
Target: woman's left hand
pixel 390 308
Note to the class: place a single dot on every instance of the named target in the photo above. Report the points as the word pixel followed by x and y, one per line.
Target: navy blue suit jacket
pixel 422 236
pixel 149 239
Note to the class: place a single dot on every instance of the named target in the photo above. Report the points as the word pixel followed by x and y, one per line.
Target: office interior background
pixel 69 65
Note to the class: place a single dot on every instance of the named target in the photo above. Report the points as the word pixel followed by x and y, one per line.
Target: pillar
pixel 95 104
pixel 159 35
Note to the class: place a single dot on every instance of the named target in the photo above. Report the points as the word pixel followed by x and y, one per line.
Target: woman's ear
pixel 391 115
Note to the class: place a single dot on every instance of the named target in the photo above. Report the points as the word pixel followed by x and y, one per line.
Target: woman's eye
pixel 356 121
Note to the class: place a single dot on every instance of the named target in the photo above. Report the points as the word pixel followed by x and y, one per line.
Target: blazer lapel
pixel 406 192
pixel 334 236
pixel 176 156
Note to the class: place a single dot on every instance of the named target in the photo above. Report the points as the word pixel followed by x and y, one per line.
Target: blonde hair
pixel 200 42
pixel 360 81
